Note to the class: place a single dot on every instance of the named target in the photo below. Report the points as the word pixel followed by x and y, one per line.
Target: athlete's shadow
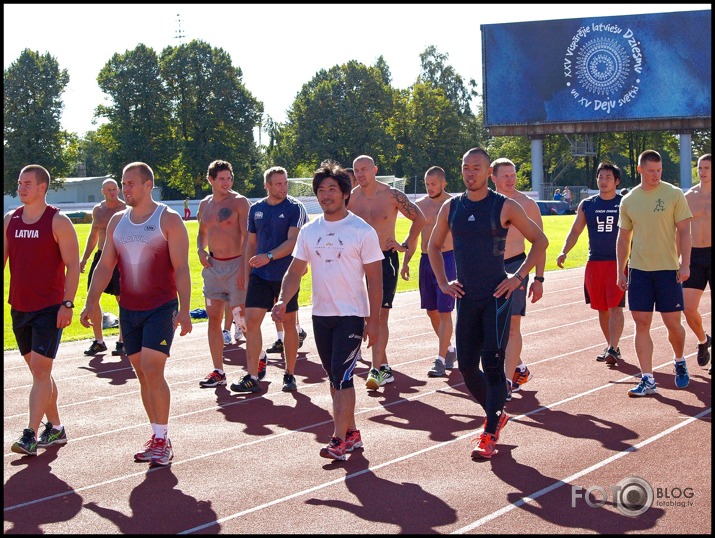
pixel 558 506
pixel 234 355
pixel 158 507
pixel 405 505
pixel 37 481
pixel 118 371
pixel 611 435
pixel 259 413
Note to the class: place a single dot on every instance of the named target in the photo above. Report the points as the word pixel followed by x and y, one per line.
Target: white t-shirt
pixel 336 252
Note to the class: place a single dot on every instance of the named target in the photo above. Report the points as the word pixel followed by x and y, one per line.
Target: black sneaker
pixel 262 365
pixel 302 335
pixel 602 356
pixel 277 347
pixel 289 383
pixel 52 436
pixel 613 356
pixel 703 353
pixel 119 349
pixel 247 384
pixel 27 444
pixel 95 348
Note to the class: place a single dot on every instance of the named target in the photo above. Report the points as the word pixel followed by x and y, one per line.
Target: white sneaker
pixel 226 337
pixel 237 334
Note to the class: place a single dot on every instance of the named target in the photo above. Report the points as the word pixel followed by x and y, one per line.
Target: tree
pixel 138 117
pixel 213 116
pixel 33 85
pixel 341 113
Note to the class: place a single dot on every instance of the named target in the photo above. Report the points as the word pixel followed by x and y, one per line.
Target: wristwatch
pixel 539 278
pixel 405 245
pixel 68 304
pixel 270 255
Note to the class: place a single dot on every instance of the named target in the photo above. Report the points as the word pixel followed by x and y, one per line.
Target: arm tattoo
pixel 407 208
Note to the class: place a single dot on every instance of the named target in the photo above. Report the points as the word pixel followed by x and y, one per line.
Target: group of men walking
pixel 473 258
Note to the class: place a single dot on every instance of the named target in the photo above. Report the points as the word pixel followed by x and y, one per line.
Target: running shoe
pixel 352 440
pixel 335 450
pixel 485 447
pixel 438 370
pixel 602 356
pixel 262 365
pixel 146 454
pixel 373 379
pixel 289 383
pixel 520 378
pixel 162 452
pixel 503 419
pixel 644 388
pixel 226 337
pixel 95 348
pixel 386 375
pixel 613 356
pixel 247 384
pixel 682 378
pixel 119 349
pixel 26 444
pixel 302 335
pixel 277 347
pixel 450 359
pixel 237 333
pixel 51 436
pixel 703 352
pixel 214 379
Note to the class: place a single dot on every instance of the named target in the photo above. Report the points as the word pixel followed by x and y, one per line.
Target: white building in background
pixel 81 192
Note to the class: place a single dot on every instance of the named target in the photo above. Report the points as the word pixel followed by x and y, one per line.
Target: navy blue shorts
pixel 338 340
pixel 37 331
pixel 262 293
pixel 152 329
pixel 659 289
pixel 431 297
pixel 518 296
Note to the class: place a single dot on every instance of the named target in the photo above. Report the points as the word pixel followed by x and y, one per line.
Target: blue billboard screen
pixel 611 68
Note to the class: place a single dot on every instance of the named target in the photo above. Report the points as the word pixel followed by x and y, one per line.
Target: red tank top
pixel 37 272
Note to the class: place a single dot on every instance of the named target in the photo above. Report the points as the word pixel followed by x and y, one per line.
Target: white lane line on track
pixel 530 498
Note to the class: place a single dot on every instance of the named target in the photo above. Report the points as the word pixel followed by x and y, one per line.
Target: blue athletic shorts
pixel 262 293
pixel 338 340
pixel 152 329
pixel 37 331
pixel 431 297
pixel 659 289
pixel 518 296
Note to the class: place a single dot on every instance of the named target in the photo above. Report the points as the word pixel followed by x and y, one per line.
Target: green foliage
pixel 33 85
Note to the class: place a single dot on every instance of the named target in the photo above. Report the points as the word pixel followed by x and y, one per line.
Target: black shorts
pixel 37 331
pixel 113 286
pixel 701 264
pixel 338 340
pixel 390 272
pixel 261 293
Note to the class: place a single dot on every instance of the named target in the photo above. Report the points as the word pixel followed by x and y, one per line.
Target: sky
pixel 279 47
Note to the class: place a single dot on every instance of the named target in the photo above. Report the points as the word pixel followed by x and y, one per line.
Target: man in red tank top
pixel 41 244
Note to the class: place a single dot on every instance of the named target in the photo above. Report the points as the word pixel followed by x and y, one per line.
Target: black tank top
pixel 479 242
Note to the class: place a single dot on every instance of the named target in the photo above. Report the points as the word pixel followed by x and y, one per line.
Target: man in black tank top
pixel 479 220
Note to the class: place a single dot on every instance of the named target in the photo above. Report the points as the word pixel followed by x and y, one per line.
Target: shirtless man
pixel 378 204
pixel 101 213
pixel 504 177
pixel 438 305
pixel 700 202
pixel 223 219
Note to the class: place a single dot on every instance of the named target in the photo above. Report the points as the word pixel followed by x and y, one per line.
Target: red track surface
pixel 250 463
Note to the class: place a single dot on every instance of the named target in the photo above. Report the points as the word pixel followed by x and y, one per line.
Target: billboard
pixel 610 68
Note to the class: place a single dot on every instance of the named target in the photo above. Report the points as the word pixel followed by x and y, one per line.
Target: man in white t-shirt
pixel 343 251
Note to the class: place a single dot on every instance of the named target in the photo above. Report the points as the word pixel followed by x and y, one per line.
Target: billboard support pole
pixel 537 164
pixel 686 160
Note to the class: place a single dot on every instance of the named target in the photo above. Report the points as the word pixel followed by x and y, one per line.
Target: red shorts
pixel 600 286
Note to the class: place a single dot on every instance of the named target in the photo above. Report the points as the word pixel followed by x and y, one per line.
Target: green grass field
pixel 556 227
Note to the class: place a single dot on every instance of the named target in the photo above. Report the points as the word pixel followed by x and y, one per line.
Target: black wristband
pixel 539 278
pixel 521 278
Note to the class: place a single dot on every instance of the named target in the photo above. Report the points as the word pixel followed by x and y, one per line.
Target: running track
pixel 250 463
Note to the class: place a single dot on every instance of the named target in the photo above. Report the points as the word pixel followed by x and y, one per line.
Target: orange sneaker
pixel 503 419
pixel 486 446
pixel 520 378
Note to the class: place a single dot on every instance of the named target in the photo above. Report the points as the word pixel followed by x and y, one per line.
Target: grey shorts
pixel 220 281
